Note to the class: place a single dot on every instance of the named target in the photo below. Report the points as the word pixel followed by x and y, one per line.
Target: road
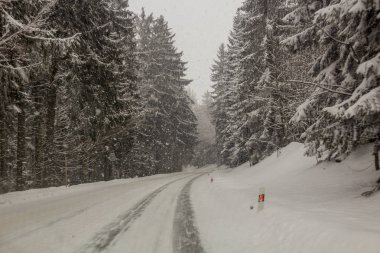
pixel 146 215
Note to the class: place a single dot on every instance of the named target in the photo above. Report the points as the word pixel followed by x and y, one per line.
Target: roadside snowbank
pixel 45 193
pixel 309 208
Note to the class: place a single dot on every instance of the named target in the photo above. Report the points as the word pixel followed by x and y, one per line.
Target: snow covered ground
pixel 134 215
pixel 309 208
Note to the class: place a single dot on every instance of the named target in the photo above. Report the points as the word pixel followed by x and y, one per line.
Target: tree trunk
pixel 38 135
pixel 21 145
pixel 85 172
pixel 3 143
pixel 51 102
pixel 106 168
pixel 173 164
pixel 3 138
pixel 376 154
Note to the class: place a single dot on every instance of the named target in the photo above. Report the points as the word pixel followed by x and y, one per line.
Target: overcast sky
pixel 200 27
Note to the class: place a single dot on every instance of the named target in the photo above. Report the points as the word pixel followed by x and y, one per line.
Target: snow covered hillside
pixel 309 208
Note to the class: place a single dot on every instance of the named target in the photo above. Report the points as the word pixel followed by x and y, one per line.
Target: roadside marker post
pixel 261 199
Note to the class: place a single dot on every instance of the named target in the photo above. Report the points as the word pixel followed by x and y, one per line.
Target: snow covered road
pixel 126 215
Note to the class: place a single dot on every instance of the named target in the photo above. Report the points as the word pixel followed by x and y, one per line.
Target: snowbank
pixel 309 208
pixel 51 192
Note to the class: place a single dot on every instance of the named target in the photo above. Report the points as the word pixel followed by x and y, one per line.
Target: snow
pixel 327 12
pixel 336 111
pixel 64 219
pixel 309 208
pixel 23 75
pixel 13 21
pixel 365 99
pixel 15 108
pixel 155 234
pixel 342 8
pixel 301 112
pixel 291 41
pixel 367 104
pixel 42 194
pixel 372 64
pixel 359 6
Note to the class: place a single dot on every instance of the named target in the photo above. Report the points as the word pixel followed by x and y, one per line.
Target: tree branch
pixel 317 85
pixel 332 37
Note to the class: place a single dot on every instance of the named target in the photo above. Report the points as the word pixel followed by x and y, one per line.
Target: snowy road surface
pixel 121 216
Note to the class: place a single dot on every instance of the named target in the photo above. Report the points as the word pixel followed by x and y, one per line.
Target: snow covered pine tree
pixel 345 102
pixel 167 126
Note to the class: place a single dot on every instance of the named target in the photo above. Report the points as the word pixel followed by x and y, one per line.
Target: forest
pixel 298 70
pixel 91 91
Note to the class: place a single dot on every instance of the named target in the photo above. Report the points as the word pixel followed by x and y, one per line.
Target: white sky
pixel 200 27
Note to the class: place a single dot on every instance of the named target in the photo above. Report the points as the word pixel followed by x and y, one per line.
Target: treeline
pixel 89 92
pixel 298 71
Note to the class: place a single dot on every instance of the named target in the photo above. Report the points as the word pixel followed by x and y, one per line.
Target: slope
pixel 309 207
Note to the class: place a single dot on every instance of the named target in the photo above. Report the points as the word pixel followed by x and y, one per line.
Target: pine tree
pixel 68 89
pixel 218 76
pixel 167 129
pixel 271 88
pixel 234 150
pixel 23 27
pixel 250 67
pixel 346 74
pixel 257 97
pixel 225 95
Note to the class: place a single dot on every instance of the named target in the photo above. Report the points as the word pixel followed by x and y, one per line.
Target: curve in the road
pixel 186 236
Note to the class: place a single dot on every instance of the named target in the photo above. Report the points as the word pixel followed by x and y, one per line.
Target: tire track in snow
pixel 108 234
pixel 186 236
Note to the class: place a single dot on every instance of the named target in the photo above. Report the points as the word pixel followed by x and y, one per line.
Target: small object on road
pixel 251 207
pixel 212 180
